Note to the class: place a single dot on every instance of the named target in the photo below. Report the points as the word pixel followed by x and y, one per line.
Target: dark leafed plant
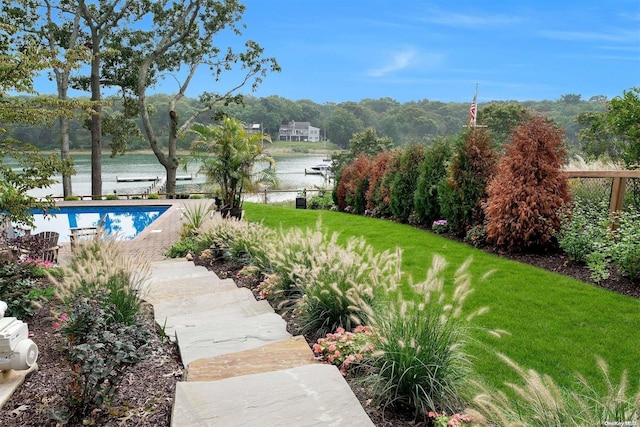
pixel 403 186
pixel 525 198
pixel 100 352
pixel 462 193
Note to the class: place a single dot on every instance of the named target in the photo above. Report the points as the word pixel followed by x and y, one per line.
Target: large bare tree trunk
pixel 96 125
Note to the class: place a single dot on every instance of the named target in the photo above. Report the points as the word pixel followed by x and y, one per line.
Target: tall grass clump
pixel 539 401
pixel 326 284
pixel 101 292
pixel 194 215
pixel 421 361
pixel 239 242
pixel 340 285
pixel 100 270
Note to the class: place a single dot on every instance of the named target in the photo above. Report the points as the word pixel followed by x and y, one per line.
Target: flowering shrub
pixel 61 322
pixel 39 263
pixel 444 420
pixel 440 226
pixel 270 286
pixel 344 349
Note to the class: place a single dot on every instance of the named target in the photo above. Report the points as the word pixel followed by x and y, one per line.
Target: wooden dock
pixel 150 178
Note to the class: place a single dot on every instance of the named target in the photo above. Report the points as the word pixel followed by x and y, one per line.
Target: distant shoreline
pixel 271 150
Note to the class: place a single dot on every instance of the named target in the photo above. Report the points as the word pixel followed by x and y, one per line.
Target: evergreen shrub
pixel 403 186
pixel 432 170
pixel 462 193
pixel 527 194
pixel 353 185
pixel 378 196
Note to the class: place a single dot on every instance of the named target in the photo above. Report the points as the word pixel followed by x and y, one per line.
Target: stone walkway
pixel 242 367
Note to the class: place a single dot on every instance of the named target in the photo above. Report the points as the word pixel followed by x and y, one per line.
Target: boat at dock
pixel 319 169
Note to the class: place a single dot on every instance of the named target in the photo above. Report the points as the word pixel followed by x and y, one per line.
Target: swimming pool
pixel 125 222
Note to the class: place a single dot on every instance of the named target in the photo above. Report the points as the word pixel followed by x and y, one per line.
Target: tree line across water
pixel 409 122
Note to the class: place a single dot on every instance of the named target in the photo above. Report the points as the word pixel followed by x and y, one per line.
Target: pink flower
pixel 336 354
pixel 56 325
pixel 332 347
pixel 317 348
pixel 64 317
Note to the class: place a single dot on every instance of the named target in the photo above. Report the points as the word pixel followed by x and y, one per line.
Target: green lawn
pixel 556 325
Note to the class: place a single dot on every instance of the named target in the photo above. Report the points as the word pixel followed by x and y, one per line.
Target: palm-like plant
pixel 231 158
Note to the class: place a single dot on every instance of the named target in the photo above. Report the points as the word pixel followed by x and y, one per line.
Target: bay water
pixel 290 170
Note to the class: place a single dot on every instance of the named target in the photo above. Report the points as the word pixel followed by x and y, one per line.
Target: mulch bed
pixel 144 398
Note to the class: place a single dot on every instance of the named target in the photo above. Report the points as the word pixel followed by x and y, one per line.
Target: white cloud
pixel 470 21
pixel 617 37
pixel 397 61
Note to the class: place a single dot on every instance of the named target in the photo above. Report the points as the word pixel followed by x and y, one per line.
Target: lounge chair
pixel 50 247
pixel 79 234
pixel 42 246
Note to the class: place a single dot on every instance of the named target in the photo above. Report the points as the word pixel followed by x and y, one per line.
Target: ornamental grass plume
pixel 421 360
pixel 539 401
pixel 240 242
pixel 327 284
pixel 100 267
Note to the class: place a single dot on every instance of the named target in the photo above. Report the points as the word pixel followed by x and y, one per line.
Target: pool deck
pixel 154 240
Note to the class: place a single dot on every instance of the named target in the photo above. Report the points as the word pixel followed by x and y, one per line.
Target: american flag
pixel 472 110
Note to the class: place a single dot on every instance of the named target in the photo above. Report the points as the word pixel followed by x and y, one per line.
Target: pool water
pixel 124 222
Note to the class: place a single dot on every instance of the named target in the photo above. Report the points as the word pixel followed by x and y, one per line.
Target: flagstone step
pixel 160 266
pixel 309 395
pixel 284 354
pixel 182 275
pixel 239 310
pixel 184 288
pixel 179 271
pixel 229 336
pixel 196 304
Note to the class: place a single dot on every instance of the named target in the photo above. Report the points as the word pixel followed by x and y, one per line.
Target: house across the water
pixel 298 131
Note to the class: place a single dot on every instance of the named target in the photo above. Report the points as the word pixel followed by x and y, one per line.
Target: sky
pixel 333 51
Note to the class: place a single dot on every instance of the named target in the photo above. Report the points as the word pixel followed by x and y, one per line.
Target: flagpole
pixel 475 104
pixel 473 110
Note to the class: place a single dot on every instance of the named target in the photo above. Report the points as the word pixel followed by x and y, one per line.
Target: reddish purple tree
pixel 529 188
